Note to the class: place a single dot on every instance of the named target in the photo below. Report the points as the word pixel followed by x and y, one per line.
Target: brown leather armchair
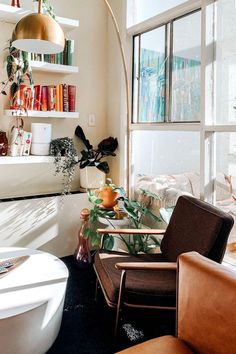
pixel 149 280
pixel 206 318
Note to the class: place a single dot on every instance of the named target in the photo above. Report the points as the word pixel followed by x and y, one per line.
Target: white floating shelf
pixel 13 14
pixel 9 160
pixel 40 114
pixel 53 68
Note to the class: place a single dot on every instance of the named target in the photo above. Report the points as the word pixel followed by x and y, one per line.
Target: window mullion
pixel 167 73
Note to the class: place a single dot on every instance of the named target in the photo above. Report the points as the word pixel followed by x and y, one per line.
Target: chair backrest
pixel 206 300
pixel 196 226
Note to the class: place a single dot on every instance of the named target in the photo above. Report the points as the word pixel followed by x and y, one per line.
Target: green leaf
pixel 109 242
pixel 155 240
pixel 149 194
pixel 14 89
pixel 130 212
pixel 26 66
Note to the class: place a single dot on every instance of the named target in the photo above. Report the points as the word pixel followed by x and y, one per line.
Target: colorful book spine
pixel 65 98
pixel 51 98
pixel 44 99
pixel 37 97
pixel 61 98
pixel 57 98
pixel 71 97
pixel 70 51
pixel 65 52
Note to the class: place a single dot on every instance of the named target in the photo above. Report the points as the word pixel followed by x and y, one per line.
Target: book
pixel 26 143
pixel 29 98
pixel 51 98
pixel 71 97
pixel 65 55
pixel 65 98
pixel 44 98
pixel 59 58
pixel 58 98
pixel 61 98
pixel 70 51
pixel 37 97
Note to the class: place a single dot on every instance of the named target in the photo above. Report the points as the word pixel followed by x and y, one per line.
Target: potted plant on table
pixel 130 213
pixel 93 168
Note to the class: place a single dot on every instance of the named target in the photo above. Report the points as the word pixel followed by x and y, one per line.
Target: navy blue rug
pixel 87 327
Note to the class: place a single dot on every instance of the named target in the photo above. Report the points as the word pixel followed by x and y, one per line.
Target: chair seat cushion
pixel 162 345
pixel 142 287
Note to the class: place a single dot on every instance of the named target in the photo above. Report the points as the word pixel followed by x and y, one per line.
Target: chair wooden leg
pixel 119 304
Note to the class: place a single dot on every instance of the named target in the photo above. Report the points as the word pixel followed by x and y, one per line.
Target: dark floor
pixel 87 327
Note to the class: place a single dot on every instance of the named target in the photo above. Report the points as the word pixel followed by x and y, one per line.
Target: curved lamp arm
pixel 125 73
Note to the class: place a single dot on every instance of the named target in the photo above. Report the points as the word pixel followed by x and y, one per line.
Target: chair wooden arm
pixel 132 231
pixel 146 266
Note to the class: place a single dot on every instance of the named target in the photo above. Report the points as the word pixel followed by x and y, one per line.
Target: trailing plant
pixel 94 157
pixel 65 160
pixel 134 211
pixel 18 71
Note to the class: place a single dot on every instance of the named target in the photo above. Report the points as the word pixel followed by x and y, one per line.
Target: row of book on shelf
pixel 61 98
pixel 65 57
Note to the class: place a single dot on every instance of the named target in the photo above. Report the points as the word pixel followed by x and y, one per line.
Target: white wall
pixel 48 224
pixel 40 223
pixel 91 57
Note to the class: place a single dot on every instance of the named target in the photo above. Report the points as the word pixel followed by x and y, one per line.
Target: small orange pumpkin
pixel 108 196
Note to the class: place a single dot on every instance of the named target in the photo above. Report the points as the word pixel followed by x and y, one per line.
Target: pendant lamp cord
pixel 40 7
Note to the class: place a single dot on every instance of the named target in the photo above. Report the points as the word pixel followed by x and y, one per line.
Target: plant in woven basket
pixel 65 160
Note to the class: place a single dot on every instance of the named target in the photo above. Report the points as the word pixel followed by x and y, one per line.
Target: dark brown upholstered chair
pixel 206 316
pixel 149 280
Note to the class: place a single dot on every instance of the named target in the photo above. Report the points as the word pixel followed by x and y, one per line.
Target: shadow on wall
pixel 29 224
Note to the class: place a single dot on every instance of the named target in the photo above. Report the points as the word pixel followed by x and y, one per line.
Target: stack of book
pixel 64 58
pixel 61 98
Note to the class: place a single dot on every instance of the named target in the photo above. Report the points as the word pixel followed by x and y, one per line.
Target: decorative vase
pixel 15 3
pixel 3 144
pixel 91 177
pixel 82 253
pixel 108 197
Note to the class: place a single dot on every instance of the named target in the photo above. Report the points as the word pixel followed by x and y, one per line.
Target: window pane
pixel 166 164
pixel 186 68
pixel 140 10
pixel 150 106
pixel 225 182
pixel 169 152
pixel 226 62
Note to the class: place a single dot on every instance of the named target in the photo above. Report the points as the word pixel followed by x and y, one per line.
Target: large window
pixel 167 71
pixel 140 10
pixel 189 143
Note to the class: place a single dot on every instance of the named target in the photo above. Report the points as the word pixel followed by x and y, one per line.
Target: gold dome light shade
pixel 38 33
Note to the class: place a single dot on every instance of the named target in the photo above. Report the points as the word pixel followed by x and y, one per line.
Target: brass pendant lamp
pixel 38 33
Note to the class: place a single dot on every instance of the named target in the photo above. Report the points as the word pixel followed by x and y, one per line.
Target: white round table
pixel 31 302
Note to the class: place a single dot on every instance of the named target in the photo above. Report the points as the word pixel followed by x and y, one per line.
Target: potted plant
pixel 93 168
pixel 132 212
pixel 65 160
pixel 18 71
pixel 108 195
